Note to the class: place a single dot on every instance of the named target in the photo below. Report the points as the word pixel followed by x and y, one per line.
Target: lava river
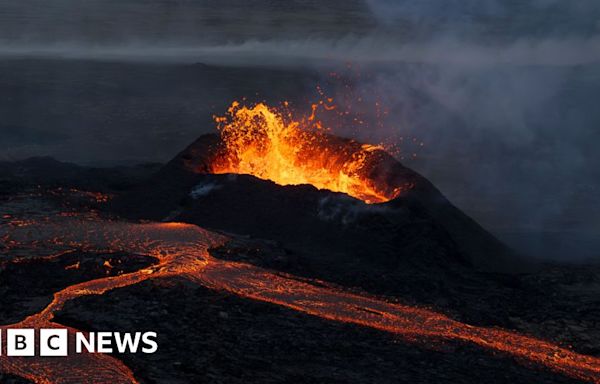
pixel 183 251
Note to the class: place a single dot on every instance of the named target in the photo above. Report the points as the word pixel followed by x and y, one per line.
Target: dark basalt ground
pixel 211 336
pixel 9 379
pixel 27 287
pixel 48 172
pixel 208 336
pixel 557 302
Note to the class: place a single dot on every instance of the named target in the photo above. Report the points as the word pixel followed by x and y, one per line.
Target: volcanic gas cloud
pixel 270 143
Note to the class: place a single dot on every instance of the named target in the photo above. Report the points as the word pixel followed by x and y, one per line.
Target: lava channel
pixel 183 251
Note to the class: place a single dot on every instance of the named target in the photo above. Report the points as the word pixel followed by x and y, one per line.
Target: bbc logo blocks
pixel 55 342
pixel 23 342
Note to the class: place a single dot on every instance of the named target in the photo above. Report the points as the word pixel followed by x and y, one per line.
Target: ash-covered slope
pixel 420 227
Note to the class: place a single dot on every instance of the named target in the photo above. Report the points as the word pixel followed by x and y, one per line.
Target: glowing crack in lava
pixel 268 143
pixel 183 251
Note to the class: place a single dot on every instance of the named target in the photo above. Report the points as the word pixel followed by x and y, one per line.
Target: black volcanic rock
pixel 399 250
pixel 50 172
pixel 10 379
pixel 419 227
pixel 209 336
pixel 27 286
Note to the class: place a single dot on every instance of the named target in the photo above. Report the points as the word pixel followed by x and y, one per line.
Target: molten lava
pixel 268 143
pixel 183 252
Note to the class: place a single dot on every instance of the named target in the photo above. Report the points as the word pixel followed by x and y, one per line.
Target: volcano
pixel 265 249
pixel 327 199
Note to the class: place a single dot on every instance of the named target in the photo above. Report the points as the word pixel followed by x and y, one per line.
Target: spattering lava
pixel 270 144
pixel 182 251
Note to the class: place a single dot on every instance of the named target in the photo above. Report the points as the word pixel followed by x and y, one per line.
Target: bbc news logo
pixel 56 342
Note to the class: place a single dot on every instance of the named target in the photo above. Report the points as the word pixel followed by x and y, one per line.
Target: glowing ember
pixel 267 143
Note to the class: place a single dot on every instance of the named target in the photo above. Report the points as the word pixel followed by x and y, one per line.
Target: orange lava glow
pixel 270 144
pixel 183 252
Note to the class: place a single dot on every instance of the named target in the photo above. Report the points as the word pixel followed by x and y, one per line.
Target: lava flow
pixel 268 143
pixel 183 251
